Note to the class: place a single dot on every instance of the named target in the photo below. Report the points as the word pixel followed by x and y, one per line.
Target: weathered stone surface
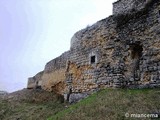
pixel 53 76
pixel 36 81
pixel 76 97
pixel 124 6
pixel 122 50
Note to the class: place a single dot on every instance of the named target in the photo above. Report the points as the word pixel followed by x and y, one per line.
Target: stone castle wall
pixel 35 81
pixel 119 51
pixel 82 74
pixel 137 33
pixel 126 6
pixel 125 53
pixel 53 76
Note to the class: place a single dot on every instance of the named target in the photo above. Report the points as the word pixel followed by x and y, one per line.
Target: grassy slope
pixel 27 111
pixel 30 105
pixel 112 104
pixel 109 104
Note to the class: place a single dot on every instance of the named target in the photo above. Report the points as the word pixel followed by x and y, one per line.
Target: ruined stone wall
pixel 126 52
pixel 141 30
pixel 54 74
pixel 84 75
pixel 125 6
pixel 119 51
pixel 35 81
pixel 31 83
pixel 150 66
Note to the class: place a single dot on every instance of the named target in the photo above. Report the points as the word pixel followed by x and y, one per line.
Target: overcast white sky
pixel 32 32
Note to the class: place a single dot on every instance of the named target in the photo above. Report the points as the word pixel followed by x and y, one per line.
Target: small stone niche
pixel 93 59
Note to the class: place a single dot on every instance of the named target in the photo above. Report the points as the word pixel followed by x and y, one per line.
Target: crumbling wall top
pixel 57 63
pixel 125 6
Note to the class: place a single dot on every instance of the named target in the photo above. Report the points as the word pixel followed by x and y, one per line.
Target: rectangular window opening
pixel 93 59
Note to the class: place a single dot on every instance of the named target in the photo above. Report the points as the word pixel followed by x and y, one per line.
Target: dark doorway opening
pixel 136 51
pixel 136 54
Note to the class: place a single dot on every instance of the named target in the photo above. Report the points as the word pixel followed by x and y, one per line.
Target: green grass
pixel 108 104
pixel 28 111
pixel 30 105
pixel 112 104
